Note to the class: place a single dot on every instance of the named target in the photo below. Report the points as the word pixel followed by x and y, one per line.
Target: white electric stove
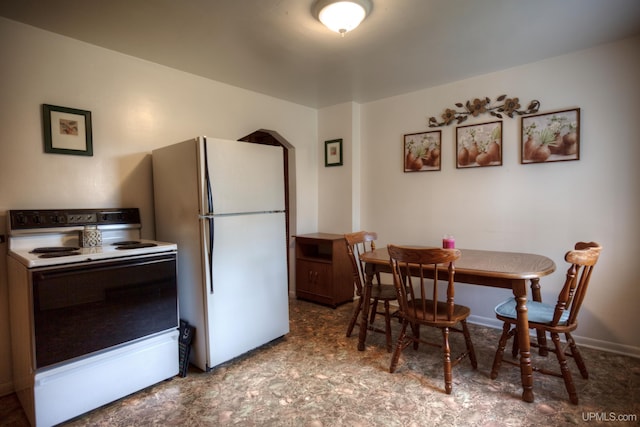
pixel 93 309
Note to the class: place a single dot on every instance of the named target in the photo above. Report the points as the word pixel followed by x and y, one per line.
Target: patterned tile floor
pixel 316 377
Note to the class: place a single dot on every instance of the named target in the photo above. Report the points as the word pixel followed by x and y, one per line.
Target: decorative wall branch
pixel 503 106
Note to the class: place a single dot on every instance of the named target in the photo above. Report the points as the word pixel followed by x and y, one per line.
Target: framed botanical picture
pixel 422 151
pixel 550 137
pixel 333 152
pixel 67 130
pixel 479 145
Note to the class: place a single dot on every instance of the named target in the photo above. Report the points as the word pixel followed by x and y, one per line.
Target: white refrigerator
pixel 223 203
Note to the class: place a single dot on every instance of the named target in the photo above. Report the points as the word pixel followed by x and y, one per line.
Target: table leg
pixel 542 336
pixel 366 299
pixel 526 370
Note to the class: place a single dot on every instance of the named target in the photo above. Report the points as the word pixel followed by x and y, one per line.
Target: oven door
pixel 83 309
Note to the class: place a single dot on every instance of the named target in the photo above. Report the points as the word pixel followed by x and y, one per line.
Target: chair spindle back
pixel 357 244
pixel 582 259
pixel 416 274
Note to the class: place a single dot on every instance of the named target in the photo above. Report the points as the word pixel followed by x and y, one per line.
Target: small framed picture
pixel 550 137
pixel 333 152
pixel 479 145
pixel 422 151
pixel 67 130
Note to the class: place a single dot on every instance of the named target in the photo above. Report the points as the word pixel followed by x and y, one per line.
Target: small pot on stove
pixel 91 236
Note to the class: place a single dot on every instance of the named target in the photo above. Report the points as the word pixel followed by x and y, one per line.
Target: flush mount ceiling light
pixel 341 16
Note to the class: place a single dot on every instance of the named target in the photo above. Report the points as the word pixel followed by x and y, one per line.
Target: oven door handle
pixel 107 266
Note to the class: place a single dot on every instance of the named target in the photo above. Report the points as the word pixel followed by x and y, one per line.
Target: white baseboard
pixel 489 322
pixel 611 347
pixel 625 350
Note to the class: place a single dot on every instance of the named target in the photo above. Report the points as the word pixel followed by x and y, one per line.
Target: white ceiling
pixel 277 48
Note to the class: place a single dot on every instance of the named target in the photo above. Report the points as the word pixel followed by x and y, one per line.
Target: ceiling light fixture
pixel 341 16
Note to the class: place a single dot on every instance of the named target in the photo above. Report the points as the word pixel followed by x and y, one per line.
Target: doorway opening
pixel 271 137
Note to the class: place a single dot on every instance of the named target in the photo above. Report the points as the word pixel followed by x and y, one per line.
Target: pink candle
pixel 448 242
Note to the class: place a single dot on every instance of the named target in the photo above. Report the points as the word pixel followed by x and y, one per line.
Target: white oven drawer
pixel 72 389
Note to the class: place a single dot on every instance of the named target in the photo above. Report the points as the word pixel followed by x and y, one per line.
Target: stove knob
pixel 36 219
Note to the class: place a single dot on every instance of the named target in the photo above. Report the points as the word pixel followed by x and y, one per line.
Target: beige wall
pixel 539 208
pixel 338 186
pixel 136 106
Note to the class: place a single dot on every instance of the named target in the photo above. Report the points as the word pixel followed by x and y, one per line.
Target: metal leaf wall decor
pixel 503 106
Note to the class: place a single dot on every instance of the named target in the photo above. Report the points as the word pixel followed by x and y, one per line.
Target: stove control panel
pixel 53 218
pixel 82 218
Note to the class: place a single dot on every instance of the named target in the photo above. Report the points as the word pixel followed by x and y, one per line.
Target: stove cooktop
pixel 46 256
pixel 61 251
pixel 40 238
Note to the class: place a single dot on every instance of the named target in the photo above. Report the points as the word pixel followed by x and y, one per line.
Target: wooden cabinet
pixel 323 269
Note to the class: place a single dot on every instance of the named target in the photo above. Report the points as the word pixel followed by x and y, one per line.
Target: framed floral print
pixel 479 145
pixel 333 153
pixel 422 151
pixel 67 130
pixel 550 137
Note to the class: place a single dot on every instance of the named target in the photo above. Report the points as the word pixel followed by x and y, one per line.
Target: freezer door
pixel 249 306
pixel 244 177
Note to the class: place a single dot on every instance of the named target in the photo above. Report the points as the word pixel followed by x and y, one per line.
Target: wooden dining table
pixel 508 270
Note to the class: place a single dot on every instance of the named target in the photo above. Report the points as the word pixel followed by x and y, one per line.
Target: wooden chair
pixel 415 275
pixel 559 319
pixel 358 243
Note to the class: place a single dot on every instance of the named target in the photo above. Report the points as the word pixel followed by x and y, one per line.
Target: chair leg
pixel 543 350
pixel 577 356
pixel 566 373
pixel 515 349
pixel 497 359
pixel 415 329
pixel 387 324
pixel 447 361
pixel 374 311
pixel 354 317
pixel 399 347
pixel 469 343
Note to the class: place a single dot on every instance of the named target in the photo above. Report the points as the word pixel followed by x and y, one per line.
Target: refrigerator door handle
pixel 209 218
pixel 207 178
pixel 211 233
pixel 208 231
